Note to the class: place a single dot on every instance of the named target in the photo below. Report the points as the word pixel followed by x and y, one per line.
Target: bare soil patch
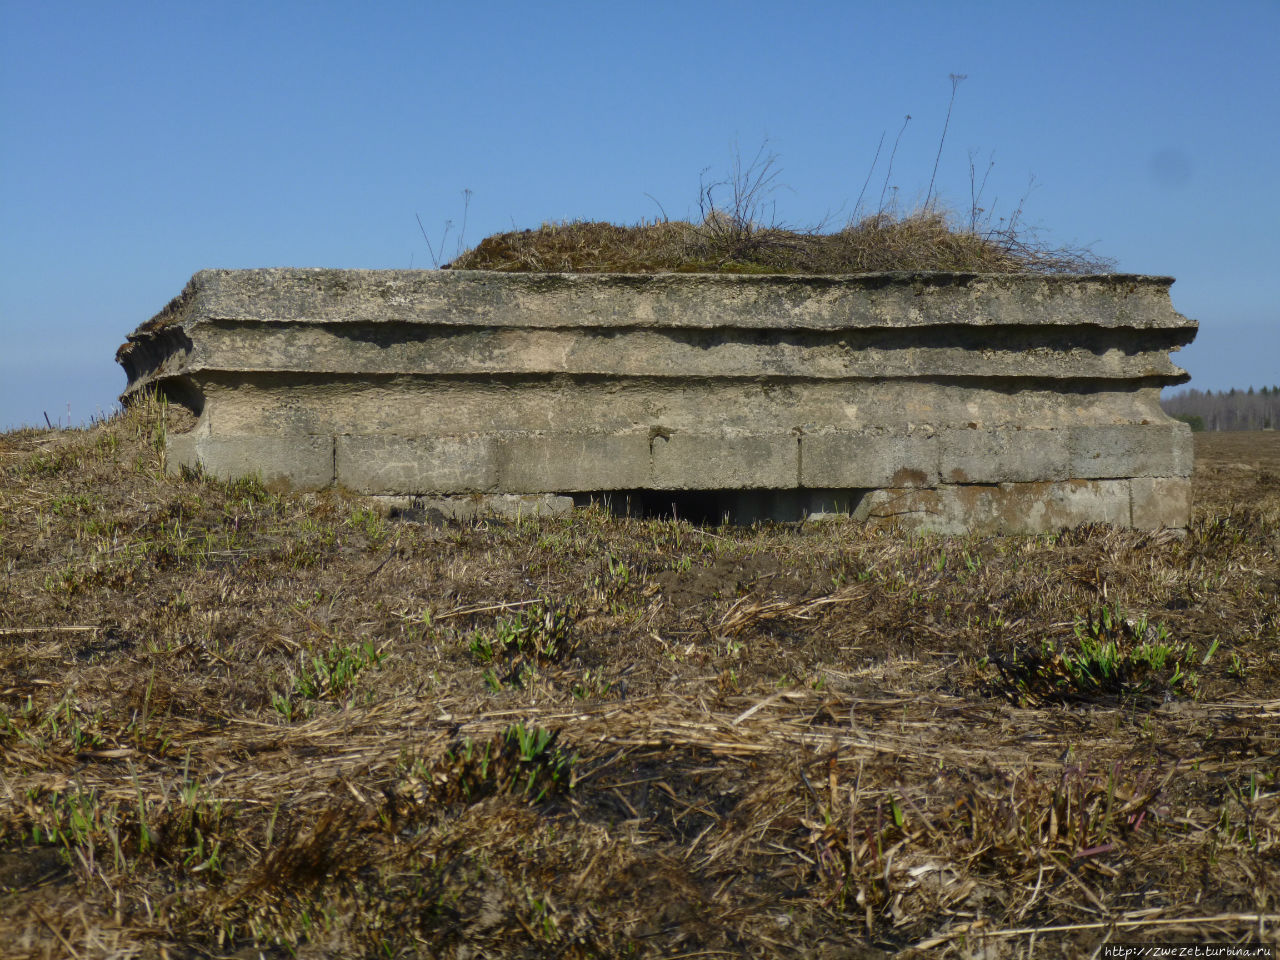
pixel 1235 467
pixel 237 723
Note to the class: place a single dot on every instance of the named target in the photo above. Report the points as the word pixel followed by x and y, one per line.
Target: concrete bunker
pixel 953 402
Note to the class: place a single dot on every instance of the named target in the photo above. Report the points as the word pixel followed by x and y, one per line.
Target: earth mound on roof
pixel 925 241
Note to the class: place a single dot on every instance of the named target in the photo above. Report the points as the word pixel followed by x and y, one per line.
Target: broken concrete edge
pixel 1003 509
pixel 505 506
pixel 1142 503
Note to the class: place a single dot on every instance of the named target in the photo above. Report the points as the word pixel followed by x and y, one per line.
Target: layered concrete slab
pixel 984 403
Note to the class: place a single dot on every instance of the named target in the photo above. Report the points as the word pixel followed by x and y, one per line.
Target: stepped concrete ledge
pixel 953 402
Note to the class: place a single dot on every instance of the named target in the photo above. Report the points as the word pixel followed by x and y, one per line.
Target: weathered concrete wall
pixel 941 401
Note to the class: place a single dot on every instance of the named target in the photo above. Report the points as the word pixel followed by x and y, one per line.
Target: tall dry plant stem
pixel 889 173
pixel 977 189
pixel 444 236
pixel 955 82
pixel 462 235
pixel 857 207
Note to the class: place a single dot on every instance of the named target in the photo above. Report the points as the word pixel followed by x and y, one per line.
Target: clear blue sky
pixel 141 142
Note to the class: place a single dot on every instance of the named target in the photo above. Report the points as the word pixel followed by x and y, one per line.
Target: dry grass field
pixel 237 723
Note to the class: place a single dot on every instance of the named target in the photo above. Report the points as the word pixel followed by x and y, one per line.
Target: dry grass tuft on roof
pixel 737 231
pixel 724 243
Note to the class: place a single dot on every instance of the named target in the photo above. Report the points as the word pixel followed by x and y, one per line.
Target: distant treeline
pixel 1226 409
